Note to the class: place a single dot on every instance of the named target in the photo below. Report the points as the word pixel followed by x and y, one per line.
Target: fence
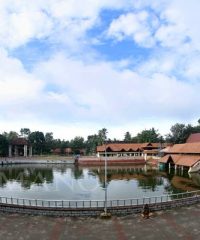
pixel 94 204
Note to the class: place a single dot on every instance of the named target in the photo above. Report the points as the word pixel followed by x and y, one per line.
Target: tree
pixel 48 142
pixel 127 137
pixel 150 135
pixel 3 146
pixel 11 135
pixel 38 141
pixel 179 133
pixel 102 135
pixel 25 132
pixel 77 144
pixel 91 143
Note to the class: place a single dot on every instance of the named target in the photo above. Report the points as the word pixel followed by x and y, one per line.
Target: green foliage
pixel 3 146
pixel 95 140
pixel 91 144
pixel 179 133
pixel 37 139
pixel 150 135
pixel 25 132
pixel 76 144
pixel 48 142
pixel 102 135
pixel 127 137
pixel 11 135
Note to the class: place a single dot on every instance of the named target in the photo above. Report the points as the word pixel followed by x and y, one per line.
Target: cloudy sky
pixel 75 66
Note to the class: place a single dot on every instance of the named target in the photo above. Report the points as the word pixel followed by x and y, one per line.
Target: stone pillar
pixel 10 151
pixel 30 151
pixel 175 167
pixel 182 169
pixel 25 150
pixel 145 168
pixel 16 151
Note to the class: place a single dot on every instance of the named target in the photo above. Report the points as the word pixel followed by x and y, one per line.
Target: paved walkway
pixel 182 223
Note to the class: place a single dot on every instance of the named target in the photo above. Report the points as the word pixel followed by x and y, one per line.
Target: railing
pixel 81 204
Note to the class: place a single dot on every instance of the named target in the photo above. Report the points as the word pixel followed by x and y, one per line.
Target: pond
pixel 64 182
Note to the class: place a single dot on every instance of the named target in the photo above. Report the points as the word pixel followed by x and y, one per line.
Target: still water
pixel 62 182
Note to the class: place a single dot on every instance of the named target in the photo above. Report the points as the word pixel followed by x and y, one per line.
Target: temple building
pixel 20 147
pixel 145 150
pixel 186 155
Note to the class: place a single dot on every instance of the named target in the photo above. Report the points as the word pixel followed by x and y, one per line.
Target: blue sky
pixel 75 66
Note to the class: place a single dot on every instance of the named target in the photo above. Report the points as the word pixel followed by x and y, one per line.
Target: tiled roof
pixel 185 148
pixel 19 141
pixel 182 160
pixel 194 137
pixel 117 147
pixel 128 147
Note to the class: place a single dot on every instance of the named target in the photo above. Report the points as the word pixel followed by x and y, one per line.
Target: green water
pixel 56 182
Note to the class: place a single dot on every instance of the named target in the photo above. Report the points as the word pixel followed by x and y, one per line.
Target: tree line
pixel 43 143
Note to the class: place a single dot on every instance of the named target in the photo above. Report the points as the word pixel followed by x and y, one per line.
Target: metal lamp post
pixel 105 207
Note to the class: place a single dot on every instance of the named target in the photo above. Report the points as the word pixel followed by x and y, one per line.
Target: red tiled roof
pixel 181 160
pixel 117 147
pixel 128 147
pixel 185 148
pixel 194 137
pixel 19 141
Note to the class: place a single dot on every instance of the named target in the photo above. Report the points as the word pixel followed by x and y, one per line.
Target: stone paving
pixel 180 223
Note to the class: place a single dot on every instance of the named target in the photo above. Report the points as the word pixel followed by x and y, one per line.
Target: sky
pixel 72 67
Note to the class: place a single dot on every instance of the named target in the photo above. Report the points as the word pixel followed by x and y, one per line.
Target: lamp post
pixel 105 207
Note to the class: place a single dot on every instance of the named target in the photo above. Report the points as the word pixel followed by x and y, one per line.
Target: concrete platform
pixel 180 223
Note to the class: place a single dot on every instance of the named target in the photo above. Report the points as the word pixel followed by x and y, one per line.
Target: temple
pixel 20 147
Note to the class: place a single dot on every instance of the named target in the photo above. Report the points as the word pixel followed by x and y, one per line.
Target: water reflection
pixel 64 182
pixel 26 176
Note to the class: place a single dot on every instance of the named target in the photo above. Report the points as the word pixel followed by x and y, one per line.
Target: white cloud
pixel 73 96
pixel 88 96
pixel 100 91
pixel 59 20
pixel 16 85
pixel 137 26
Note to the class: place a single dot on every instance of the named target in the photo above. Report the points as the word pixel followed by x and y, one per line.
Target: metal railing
pixel 81 204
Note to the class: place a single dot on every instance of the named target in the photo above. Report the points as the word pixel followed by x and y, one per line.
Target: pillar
pixel 182 169
pixel 16 151
pixel 175 167
pixel 169 167
pixel 25 150
pixel 30 151
pixel 10 151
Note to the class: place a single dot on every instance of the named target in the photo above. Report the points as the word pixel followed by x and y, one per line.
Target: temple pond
pixel 64 182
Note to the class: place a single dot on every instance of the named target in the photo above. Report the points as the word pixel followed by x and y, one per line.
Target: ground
pixel 180 223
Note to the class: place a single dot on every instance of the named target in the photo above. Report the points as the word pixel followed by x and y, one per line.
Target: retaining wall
pixel 80 212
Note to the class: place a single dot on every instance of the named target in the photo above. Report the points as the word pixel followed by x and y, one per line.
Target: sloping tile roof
pixel 164 159
pixel 19 141
pixel 117 147
pixel 181 160
pixel 185 148
pixel 194 137
pixel 128 147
